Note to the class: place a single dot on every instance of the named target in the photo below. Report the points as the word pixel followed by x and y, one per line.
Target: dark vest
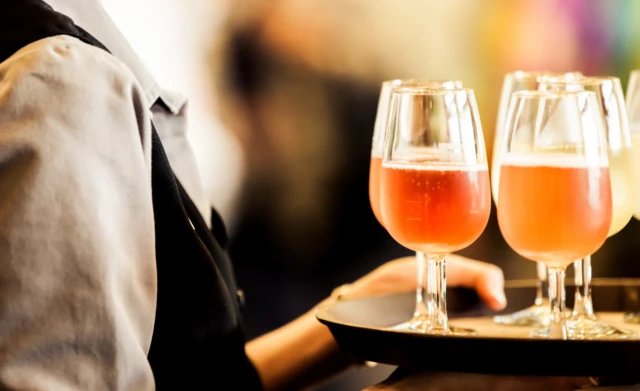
pixel 197 342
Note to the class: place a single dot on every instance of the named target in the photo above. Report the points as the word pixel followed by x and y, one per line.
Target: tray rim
pixel 401 348
pixel 322 315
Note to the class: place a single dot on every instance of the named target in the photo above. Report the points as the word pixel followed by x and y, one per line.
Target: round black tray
pixel 361 328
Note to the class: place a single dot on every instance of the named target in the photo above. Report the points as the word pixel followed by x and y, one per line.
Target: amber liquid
pixel 435 208
pixel 554 213
pixel 374 186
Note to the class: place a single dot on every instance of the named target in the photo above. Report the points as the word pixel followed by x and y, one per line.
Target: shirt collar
pixel 92 17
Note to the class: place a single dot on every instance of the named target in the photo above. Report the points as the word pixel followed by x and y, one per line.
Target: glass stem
pixel 583 306
pixel 421 290
pixel 541 270
pixel 557 323
pixel 437 293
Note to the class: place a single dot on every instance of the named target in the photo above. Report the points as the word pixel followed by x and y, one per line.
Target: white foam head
pixel 564 160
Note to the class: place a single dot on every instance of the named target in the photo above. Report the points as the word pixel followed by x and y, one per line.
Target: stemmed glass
pixel 420 318
pixel 633 113
pixel 435 194
pixel 583 322
pixel 538 314
pixel 555 193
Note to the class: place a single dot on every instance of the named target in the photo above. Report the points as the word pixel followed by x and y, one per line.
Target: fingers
pixel 485 278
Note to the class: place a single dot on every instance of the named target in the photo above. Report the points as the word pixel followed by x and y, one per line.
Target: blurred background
pixel 283 97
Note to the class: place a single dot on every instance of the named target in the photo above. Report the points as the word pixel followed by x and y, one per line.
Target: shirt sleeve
pixel 77 251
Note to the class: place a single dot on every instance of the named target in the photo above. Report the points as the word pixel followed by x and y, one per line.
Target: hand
pixel 400 276
pixel 408 380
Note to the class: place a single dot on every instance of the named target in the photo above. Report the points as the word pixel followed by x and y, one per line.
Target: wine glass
pixel 633 113
pixel 583 322
pixel 420 318
pixel 435 195
pixel 538 313
pixel 555 203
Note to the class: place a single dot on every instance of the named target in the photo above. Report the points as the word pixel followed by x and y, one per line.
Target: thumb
pixel 487 279
pixel 490 288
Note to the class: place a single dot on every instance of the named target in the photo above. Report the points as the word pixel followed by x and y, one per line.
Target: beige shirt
pixel 77 251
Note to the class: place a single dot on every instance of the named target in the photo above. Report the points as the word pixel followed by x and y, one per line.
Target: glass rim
pixel 533 94
pixel 428 91
pixel 417 81
pixel 585 80
pixel 519 74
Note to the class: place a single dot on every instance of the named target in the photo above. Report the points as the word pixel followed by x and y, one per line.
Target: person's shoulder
pixel 71 71
pixel 61 79
pixel 68 60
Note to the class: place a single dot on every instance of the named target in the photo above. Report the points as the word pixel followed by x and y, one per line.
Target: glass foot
pixel 632 317
pixel 577 317
pixel 541 332
pixel 589 328
pixel 534 316
pixel 422 325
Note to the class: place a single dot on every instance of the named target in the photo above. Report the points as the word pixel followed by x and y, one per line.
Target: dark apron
pixel 197 343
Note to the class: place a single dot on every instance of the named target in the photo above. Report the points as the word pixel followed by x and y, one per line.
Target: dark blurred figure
pixel 306 207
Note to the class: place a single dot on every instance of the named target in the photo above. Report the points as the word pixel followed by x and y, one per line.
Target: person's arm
pixel 304 352
pixel 301 353
pixel 77 253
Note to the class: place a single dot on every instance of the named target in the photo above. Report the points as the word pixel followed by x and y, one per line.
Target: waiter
pixel 114 273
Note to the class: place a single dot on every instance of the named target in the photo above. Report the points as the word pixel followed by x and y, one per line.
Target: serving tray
pixel 363 328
